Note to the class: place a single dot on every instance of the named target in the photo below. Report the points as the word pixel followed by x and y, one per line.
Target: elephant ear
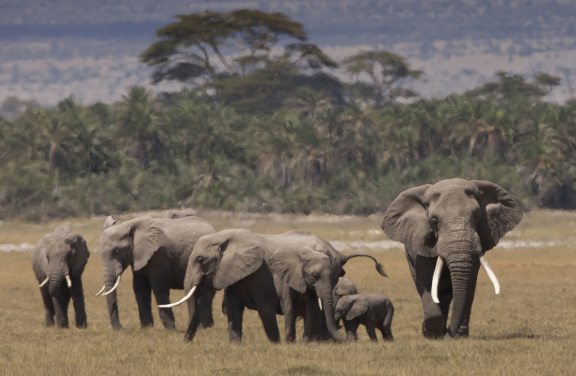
pixel 288 265
pixel 500 213
pixel 147 241
pixel 406 221
pixel 109 222
pixel 81 254
pixel 241 255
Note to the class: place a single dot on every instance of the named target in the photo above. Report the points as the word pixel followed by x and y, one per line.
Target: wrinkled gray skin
pixel 158 250
pixel 374 311
pixel 456 220
pixel 260 271
pixel 306 268
pixel 56 255
pixel 235 260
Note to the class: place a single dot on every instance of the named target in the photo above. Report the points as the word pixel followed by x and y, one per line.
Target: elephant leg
pixel 267 313
pixel 61 307
pixel 434 323
pixel 386 333
pixel 162 295
pixel 234 312
pixel 351 327
pixel 143 293
pixel 287 302
pixel 77 293
pixel 315 328
pixel 386 324
pixel 49 307
pixel 371 330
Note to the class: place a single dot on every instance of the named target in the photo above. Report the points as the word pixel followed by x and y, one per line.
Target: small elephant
pixel 372 310
pixel 58 260
pixel 344 287
pixel 157 249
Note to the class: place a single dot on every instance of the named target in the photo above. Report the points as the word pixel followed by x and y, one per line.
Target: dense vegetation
pixel 265 132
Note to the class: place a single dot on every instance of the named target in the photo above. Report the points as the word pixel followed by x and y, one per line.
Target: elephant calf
pixel 372 310
pixel 58 260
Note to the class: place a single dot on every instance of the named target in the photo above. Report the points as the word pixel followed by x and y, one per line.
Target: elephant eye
pixel 200 259
pixel 316 275
pixel 116 251
pixel 434 223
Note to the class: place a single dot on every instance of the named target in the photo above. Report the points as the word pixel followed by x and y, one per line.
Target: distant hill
pixel 49 50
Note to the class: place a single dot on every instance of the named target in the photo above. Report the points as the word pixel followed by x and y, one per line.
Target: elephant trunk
pixel 328 308
pixel 463 271
pixel 57 273
pixel 110 279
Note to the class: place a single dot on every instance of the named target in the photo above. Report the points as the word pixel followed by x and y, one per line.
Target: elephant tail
pixel 379 266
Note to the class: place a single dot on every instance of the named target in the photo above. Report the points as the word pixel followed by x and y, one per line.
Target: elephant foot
pixel 434 327
pixel 82 325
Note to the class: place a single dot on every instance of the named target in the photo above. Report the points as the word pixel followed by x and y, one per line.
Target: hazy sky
pixel 51 49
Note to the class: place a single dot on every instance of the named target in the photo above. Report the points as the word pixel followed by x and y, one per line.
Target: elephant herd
pixel 446 228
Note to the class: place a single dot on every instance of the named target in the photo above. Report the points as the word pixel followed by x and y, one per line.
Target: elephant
pixel 451 223
pixel 345 286
pixel 306 269
pixel 58 260
pixel 253 266
pixel 235 260
pixel 158 250
pixel 372 310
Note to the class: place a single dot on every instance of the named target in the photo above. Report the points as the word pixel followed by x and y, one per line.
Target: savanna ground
pixel 530 328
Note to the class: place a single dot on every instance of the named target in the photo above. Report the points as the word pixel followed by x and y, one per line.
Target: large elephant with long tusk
pixel 157 249
pixel 58 260
pixel 446 228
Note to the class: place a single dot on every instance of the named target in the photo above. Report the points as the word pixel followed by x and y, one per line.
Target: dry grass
pixel 529 329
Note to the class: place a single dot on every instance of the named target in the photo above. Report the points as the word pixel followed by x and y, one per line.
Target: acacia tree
pixel 510 87
pixel 382 70
pixel 247 57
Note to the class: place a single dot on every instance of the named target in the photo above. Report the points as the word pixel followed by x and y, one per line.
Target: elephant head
pixel 303 269
pixel 351 306
pixel 457 221
pixel 67 255
pixel 132 243
pixel 222 259
pixel 344 287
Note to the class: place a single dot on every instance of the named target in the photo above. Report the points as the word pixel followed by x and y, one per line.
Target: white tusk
pixel 320 303
pixel 436 279
pixel 45 282
pixel 180 301
pixel 68 281
pixel 101 291
pixel 491 274
pixel 114 287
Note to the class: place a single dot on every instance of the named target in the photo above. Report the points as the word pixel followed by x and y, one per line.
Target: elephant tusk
pixel 180 301
pixel 436 279
pixel 68 281
pixel 320 303
pixel 114 287
pixel 491 274
pixel 45 282
pixel 101 291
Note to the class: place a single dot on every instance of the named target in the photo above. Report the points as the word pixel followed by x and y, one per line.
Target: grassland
pixel 529 329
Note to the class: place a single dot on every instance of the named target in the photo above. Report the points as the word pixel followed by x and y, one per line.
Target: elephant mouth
pixel 438 272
